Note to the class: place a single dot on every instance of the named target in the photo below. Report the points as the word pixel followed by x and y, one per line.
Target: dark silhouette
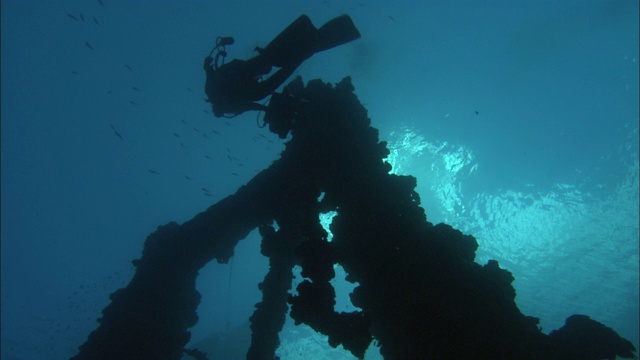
pixel 235 87
pixel 420 293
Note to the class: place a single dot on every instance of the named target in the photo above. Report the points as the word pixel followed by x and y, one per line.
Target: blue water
pixel 545 175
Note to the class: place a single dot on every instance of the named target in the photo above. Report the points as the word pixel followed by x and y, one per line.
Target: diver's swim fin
pixel 301 39
pixel 293 44
pixel 338 31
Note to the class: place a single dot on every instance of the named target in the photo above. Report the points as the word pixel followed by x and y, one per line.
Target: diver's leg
pixel 257 66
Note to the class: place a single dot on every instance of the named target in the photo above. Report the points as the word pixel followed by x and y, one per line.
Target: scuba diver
pixel 235 87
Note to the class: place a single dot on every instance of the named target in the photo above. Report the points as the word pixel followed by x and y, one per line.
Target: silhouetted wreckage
pixel 421 293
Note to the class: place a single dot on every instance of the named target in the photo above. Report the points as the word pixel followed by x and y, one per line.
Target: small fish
pixel 181 144
pixel 208 157
pixel 262 136
pixel 206 111
pixel 229 157
pixel 100 1
pixel 206 190
pixel 176 135
pixel 81 17
pixel 75 72
pixel 228 123
pixel 229 151
pixel 128 67
pixel 135 88
pixel 96 21
pixel 72 16
pixel 234 174
pixel 215 132
pixel 205 135
pixel 196 129
pixel 190 90
pixel 476 112
pixel 133 103
pixel 154 172
pixel 116 132
pixel 184 122
pixel 392 19
pixel 187 177
pixel 88 45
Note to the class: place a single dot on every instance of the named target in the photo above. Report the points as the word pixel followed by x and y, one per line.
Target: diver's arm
pixel 251 106
pixel 268 86
pixel 256 106
pixel 237 109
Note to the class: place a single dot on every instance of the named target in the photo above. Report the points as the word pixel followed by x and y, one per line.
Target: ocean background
pixel 518 118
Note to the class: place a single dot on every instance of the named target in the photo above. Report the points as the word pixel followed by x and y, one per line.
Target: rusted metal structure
pixel 420 292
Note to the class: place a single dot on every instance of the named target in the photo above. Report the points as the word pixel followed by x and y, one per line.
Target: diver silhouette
pixel 235 87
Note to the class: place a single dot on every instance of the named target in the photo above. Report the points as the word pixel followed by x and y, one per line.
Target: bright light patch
pixel 568 239
pixel 439 166
pixel 325 221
